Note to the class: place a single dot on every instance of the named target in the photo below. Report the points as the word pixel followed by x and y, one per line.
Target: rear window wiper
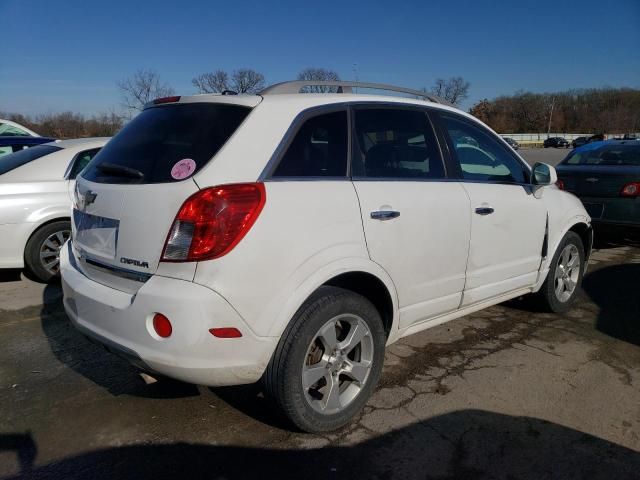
pixel 119 170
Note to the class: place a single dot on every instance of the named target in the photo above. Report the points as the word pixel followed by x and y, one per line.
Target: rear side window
pixel 319 148
pixel 22 157
pixel 482 157
pixel 166 144
pixel 394 143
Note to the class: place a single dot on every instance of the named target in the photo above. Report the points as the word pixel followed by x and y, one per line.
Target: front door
pixel 507 220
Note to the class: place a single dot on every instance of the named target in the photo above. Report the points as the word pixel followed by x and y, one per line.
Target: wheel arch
pixel 38 226
pixel 358 275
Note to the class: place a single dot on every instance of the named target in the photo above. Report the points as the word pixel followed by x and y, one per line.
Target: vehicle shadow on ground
pixel 614 289
pixel 461 444
pixel 92 361
pixel 9 275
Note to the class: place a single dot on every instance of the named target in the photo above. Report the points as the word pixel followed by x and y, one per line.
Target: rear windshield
pixel 166 144
pixel 617 154
pixel 17 159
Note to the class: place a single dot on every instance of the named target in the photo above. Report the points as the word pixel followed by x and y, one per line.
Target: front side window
pixel 319 148
pixel 395 143
pixel 481 156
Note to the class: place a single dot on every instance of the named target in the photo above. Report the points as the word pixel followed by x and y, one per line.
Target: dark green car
pixel 606 177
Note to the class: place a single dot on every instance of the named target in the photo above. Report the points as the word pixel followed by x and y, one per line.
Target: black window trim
pixel 451 150
pixel 268 171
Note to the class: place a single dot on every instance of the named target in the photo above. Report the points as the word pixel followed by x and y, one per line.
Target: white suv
pixel 288 237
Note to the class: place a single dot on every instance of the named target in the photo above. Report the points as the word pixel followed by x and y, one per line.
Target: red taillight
pixel 162 325
pixel 212 221
pixel 228 332
pixel 158 101
pixel 631 190
pixel 560 184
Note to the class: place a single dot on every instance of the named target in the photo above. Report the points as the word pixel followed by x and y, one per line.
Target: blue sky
pixel 69 54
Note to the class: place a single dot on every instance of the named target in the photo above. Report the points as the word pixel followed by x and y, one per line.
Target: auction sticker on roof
pixel 183 169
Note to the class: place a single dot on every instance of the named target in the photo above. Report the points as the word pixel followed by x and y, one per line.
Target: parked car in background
pixel 578 142
pixel 556 142
pixel 289 237
pixel 36 187
pixel 13 129
pixel 598 137
pixel 606 177
pixel 515 145
pixel 630 136
pixel 11 144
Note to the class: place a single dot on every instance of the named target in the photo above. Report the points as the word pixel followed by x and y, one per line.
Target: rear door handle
pixel 385 214
pixel 484 210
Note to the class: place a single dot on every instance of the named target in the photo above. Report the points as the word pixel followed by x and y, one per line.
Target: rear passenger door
pixel 416 222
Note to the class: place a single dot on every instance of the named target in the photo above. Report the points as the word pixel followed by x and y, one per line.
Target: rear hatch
pixel 127 198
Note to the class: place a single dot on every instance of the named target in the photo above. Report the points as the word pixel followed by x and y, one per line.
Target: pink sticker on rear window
pixel 183 169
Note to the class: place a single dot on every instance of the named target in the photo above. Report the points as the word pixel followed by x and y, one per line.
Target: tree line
pixel 69 124
pixel 593 111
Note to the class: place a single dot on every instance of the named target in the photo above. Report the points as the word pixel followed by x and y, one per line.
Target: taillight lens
pixel 212 221
pixel 560 184
pixel 631 190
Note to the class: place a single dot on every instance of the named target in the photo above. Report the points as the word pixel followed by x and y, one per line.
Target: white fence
pixel 540 137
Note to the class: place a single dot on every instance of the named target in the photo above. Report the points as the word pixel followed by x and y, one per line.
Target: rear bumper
pixel 123 323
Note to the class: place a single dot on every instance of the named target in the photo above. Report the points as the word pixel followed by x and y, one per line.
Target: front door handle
pixel 484 210
pixel 385 214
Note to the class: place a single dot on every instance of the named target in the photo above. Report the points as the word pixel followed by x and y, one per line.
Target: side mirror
pixel 543 175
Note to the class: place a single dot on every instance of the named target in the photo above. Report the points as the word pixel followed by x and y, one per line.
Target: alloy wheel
pixel 337 363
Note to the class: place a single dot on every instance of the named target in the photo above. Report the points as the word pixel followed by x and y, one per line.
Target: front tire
pixel 560 289
pixel 328 360
pixel 42 253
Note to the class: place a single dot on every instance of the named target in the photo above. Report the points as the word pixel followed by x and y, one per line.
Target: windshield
pixel 166 144
pixel 17 159
pixel 617 154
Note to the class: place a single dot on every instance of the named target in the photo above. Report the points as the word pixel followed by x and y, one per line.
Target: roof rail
pixel 345 87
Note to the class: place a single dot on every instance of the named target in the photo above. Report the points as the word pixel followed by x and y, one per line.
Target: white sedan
pixel 36 187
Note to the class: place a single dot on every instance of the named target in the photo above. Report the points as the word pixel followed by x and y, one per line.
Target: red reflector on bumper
pixel 225 332
pixel 162 325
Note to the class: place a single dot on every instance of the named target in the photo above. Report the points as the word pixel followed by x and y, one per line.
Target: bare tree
pixel 243 80
pixel 319 74
pixel 454 90
pixel 213 82
pixel 246 80
pixel 142 87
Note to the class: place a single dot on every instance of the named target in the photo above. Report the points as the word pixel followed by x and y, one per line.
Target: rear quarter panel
pixel 307 233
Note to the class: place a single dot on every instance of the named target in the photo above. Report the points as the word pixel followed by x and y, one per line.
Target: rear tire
pixel 560 290
pixel 328 360
pixel 42 253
